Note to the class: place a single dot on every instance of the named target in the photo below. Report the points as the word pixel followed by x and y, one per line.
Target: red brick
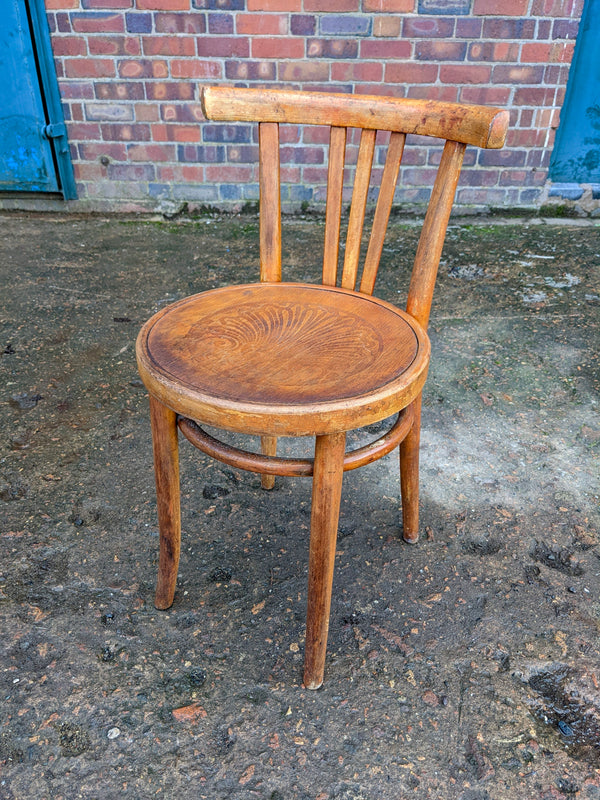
pixel 98 22
pixel 357 72
pixel 494 51
pixel 262 24
pixel 485 95
pixel 181 90
pixel 83 131
pixel 512 74
pixel 60 4
pixel 76 112
pixel 315 175
pixel 440 51
pixel 69 46
pixel 88 172
pixel 120 91
pixel 82 90
pixel 163 5
pixel 465 73
pixel 282 47
pixel 303 71
pixel 411 73
pixel 90 151
pixel 196 68
pixel 389 6
pixel 331 5
pixel 169 45
pixel 275 5
pixel 553 8
pixel 151 152
pixel 107 3
pixel 508 8
pixel 373 48
pixel 89 68
pixel 179 23
pixel 223 47
pixel 114 45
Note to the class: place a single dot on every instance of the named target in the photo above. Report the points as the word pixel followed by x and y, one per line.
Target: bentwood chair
pixel 293 359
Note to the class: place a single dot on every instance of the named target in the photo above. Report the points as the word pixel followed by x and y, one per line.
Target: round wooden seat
pixel 283 358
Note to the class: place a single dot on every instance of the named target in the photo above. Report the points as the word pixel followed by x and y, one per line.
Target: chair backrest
pixel 458 124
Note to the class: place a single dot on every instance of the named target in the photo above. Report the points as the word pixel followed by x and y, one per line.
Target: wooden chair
pixel 291 359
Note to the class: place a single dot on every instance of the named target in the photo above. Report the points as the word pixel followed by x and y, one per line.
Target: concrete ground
pixel 466 667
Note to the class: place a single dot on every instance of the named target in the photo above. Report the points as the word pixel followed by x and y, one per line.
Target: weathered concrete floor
pixel 465 667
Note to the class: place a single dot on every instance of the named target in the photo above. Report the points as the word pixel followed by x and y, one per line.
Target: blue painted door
pixel 34 152
pixel 576 154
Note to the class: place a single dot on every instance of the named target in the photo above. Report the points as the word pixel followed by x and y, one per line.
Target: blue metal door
pixel 34 154
pixel 576 155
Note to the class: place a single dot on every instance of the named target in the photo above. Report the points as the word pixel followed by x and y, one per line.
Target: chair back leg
pixel 166 472
pixel 326 495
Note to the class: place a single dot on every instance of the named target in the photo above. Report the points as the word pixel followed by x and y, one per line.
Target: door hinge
pixel 54 131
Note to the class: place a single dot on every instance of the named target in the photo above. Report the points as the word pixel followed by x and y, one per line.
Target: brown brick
pixel 373 48
pixel 180 90
pixel 151 152
pixel 97 22
pixel 517 74
pixel 440 51
pixel 143 68
pixel 427 27
pixel 179 23
pixel 250 70
pixel 332 48
pixel 359 72
pixel 445 94
pixel 303 71
pixel 465 73
pixel 125 133
pixel 508 8
pixel 494 51
pixel 387 26
pixel 485 95
pixel 410 73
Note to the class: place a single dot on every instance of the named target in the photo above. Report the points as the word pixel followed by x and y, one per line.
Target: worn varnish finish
pixel 281 359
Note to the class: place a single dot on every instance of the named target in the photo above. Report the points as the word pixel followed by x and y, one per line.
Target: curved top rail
pixel 483 126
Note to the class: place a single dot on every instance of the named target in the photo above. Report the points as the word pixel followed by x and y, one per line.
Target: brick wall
pixel 130 72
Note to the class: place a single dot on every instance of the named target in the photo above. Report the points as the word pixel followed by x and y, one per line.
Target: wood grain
pixel 482 126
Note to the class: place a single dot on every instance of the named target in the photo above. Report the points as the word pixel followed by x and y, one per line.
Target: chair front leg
pixel 268 446
pixel 326 495
pixel 166 473
pixel 409 477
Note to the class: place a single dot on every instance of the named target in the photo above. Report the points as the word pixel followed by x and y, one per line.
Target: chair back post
pixel 270 202
pixel 433 232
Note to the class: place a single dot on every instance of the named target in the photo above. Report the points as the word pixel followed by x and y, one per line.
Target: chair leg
pixel 409 477
pixel 326 495
pixel 268 445
pixel 166 473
